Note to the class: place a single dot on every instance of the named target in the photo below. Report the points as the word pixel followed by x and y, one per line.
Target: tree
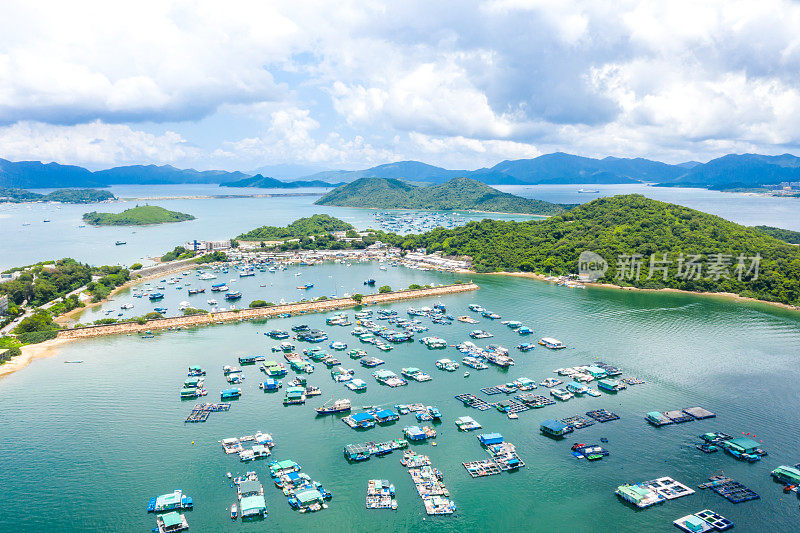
pixel 39 321
pixel 258 303
pixel 414 286
pixel 358 298
pixel 136 266
pixel 234 243
pixel 385 289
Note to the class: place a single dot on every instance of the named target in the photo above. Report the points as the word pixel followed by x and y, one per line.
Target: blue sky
pixel 238 84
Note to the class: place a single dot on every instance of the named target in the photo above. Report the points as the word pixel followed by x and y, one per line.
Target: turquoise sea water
pixel 85 446
pixel 222 218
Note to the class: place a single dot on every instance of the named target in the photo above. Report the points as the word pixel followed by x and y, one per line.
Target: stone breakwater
pixel 262 312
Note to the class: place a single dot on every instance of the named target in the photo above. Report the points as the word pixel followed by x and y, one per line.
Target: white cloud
pixel 78 61
pixel 95 145
pixel 353 83
pixel 290 139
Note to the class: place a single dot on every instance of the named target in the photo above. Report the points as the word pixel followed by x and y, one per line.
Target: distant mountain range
pixel 458 193
pixel 727 172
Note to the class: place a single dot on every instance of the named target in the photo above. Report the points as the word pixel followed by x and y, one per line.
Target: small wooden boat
pixel 234 512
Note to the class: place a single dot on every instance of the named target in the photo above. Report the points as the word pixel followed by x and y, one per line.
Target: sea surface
pixel 222 218
pixel 84 446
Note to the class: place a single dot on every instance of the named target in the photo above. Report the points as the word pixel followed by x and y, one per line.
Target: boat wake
pixel 646 310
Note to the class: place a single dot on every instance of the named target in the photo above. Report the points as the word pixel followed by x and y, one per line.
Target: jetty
pixel 261 312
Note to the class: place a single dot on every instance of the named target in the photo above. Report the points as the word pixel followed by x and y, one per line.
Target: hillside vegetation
pixel 136 216
pixel 786 235
pixel 67 196
pixel 626 225
pixel 458 193
pixel 303 227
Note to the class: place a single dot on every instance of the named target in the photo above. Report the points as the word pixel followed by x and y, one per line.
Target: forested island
pixel 458 193
pixel 67 196
pixel 303 227
pixel 264 182
pixel 142 215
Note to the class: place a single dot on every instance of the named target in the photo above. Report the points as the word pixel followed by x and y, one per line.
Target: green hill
pixel 630 224
pixel 786 235
pixel 67 196
pixel 265 182
pixel 136 216
pixel 303 227
pixel 458 193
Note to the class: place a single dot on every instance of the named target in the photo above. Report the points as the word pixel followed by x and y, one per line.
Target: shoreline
pixel 49 348
pixel 63 319
pixel 722 295
pixel 31 352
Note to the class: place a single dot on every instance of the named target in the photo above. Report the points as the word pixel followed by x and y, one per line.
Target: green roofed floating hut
pixel 251 506
pixel 170 522
pixel 787 474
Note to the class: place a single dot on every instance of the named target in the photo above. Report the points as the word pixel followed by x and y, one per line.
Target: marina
pixel 298 430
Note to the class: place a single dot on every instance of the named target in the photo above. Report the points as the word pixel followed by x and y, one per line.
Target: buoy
pixel 192 442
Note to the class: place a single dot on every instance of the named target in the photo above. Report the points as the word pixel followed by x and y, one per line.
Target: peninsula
pixel 142 215
pixel 458 193
pixel 66 196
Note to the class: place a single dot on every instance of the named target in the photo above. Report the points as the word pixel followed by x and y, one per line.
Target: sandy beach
pixel 725 295
pixel 30 353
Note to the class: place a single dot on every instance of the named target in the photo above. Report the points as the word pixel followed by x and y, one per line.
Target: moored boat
pixel 338 406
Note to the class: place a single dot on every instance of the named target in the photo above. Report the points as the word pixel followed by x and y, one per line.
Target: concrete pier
pixel 261 312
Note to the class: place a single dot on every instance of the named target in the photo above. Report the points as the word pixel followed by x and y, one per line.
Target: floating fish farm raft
pixel 652 492
pixel 689 414
pixel 577 422
pixel 483 468
pixel 535 401
pixel 703 522
pixel 731 490
pixel 429 484
pixel 363 451
pixel 380 494
pixel 201 411
pixel 470 400
pixel 602 415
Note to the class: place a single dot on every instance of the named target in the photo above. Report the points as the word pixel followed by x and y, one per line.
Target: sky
pixel 314 85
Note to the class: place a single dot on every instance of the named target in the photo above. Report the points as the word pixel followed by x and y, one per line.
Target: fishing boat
pixel 207 275
pixel 120 243
pixel 211 302
pixel 219 287
pixel 196 291
pixel 370 282
pixel 234 512
pixel 156 296
pixel 330 407
pixel 234 295
pixel 306 286
pixel 338 345
pixel 553 344
pixel 561 394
